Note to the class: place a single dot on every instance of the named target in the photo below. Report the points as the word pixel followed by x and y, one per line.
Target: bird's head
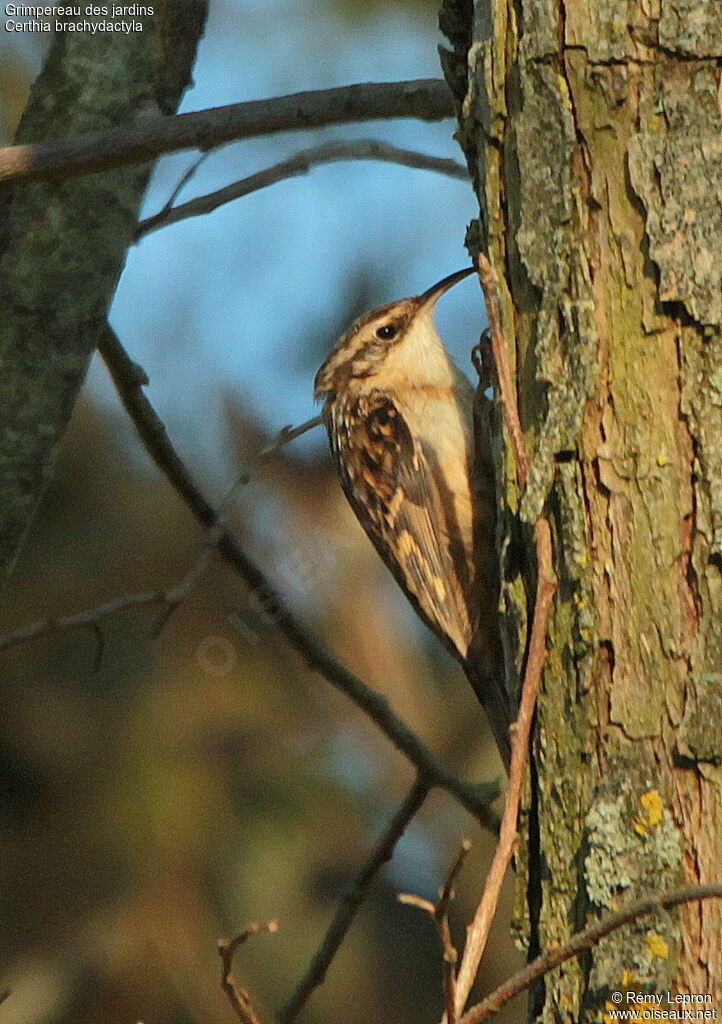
pixel 394 339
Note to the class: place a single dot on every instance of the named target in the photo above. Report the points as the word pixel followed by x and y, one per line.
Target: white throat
pixel 419 359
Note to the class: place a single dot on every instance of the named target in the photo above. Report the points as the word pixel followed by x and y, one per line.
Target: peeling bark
pixel 592 129
pixel 63 244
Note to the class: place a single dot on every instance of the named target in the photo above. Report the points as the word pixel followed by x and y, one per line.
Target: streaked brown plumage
pixel 400 419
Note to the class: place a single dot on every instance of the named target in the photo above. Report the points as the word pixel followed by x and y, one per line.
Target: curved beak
pixel 433 294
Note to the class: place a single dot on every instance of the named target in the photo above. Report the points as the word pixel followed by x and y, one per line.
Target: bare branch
pixel 90 618
pixel 581 941
pixel 129 379
pixel 447 891
pixel 410 899
pixel 187 176
pixel 449 951
pixel 299 163
pixel 351 902
pixel 238 997
pixel 170 598
pixel 440 913
pixel 284 436
pixel 478 931
pixel 427 99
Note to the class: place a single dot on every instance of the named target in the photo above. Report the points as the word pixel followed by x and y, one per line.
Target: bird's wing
pixel 395 487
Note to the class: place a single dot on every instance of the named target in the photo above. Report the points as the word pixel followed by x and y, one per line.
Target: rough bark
pixel 594 135
pixel 63 244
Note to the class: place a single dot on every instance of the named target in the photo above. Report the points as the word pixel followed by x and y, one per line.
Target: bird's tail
pixel 484 662
pixel 484 667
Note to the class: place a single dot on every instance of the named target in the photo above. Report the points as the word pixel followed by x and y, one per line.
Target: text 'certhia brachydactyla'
pixel 414 463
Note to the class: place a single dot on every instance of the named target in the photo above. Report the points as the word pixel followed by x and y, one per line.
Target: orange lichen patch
pixel 652 812
pixel 658 945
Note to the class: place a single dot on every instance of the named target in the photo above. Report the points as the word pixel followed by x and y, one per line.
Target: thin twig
pixel 238 997
pixel 349 905
pixel 449 951
pixel 428 99
pixel 478 931
pixel 90 618
pixel 284 436
pixel 210 542
pixel 440 913
pixel 171 598
pixel 129 379
pixel 187 176
pixel 447 891
pixel 581 941
pixel 299 163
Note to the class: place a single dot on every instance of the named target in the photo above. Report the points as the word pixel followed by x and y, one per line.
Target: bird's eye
pixel 387 331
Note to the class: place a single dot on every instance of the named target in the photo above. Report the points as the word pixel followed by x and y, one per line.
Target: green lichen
pixel 633 847
pixel 629 847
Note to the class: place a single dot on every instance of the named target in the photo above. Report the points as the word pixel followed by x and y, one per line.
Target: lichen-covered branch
pixel 62 245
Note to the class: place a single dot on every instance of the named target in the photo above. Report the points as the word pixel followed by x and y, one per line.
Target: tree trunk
pixel 594 135
pixel 63 244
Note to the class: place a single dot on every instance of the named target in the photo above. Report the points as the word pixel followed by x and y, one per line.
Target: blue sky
pixel 247 300
pixel 242 299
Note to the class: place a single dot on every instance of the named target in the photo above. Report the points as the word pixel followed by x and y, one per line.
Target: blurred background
pixel 198 780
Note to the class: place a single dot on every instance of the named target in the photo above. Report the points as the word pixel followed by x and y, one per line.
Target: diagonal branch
pixel 478 931
pixel 145 138
pixel 581 941
pixel 351 902
pixel 129 379
pixel 299 163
